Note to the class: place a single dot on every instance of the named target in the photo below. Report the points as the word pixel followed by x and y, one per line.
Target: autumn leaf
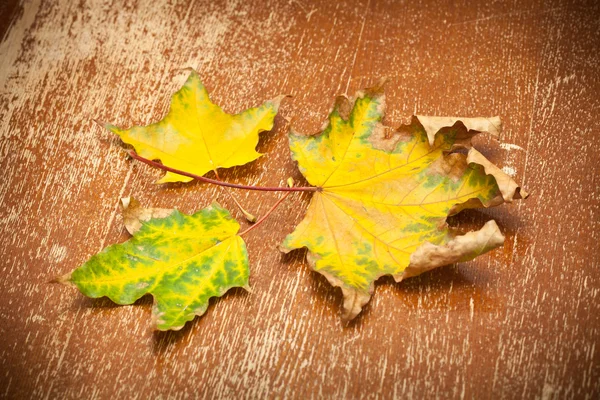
pixel 181 260
pixel 197 136
pixel 384 195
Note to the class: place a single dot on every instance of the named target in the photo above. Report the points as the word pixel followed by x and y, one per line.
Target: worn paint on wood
pixel 520 322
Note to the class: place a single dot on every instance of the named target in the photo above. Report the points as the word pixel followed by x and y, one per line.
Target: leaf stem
pixel 249 217
pixel 221 183
pixel 260 221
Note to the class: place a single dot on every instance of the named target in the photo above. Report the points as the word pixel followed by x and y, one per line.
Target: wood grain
pixel 520 322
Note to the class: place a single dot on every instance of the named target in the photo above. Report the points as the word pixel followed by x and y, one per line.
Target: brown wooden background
pixel 520 322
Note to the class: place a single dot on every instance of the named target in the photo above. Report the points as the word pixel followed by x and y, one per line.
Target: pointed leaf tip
pixel 64 280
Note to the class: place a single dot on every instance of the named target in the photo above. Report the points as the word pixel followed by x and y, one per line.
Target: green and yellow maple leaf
pixel 181 260
pixel 197 136
pixel 383 195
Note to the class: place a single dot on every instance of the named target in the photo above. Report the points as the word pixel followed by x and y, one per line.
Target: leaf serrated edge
pixel 508 187
pixel 462 248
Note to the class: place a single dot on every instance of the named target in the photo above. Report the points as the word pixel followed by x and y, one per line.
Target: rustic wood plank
pixel 521 322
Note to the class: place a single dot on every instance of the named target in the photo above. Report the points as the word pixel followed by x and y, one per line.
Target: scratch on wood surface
pixel 358 43
pixel 509 14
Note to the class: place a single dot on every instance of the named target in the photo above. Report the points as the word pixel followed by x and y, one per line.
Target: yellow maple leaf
pixel 197 136
pixel 383 195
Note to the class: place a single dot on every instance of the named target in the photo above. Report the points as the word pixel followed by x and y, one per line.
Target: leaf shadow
pixel 102 304
pixel 473 219
pixel 268 140
pixel 456 288
pixel 164 342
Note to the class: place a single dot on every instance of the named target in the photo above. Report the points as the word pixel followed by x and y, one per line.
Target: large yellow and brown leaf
pixel 384 195
pixel 197 136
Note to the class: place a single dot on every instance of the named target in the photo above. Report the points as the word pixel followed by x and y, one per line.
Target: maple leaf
pixel 383 195
pixel 182 260
pixel 197 136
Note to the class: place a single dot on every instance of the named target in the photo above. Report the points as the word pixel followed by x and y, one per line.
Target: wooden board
pixel 520 322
